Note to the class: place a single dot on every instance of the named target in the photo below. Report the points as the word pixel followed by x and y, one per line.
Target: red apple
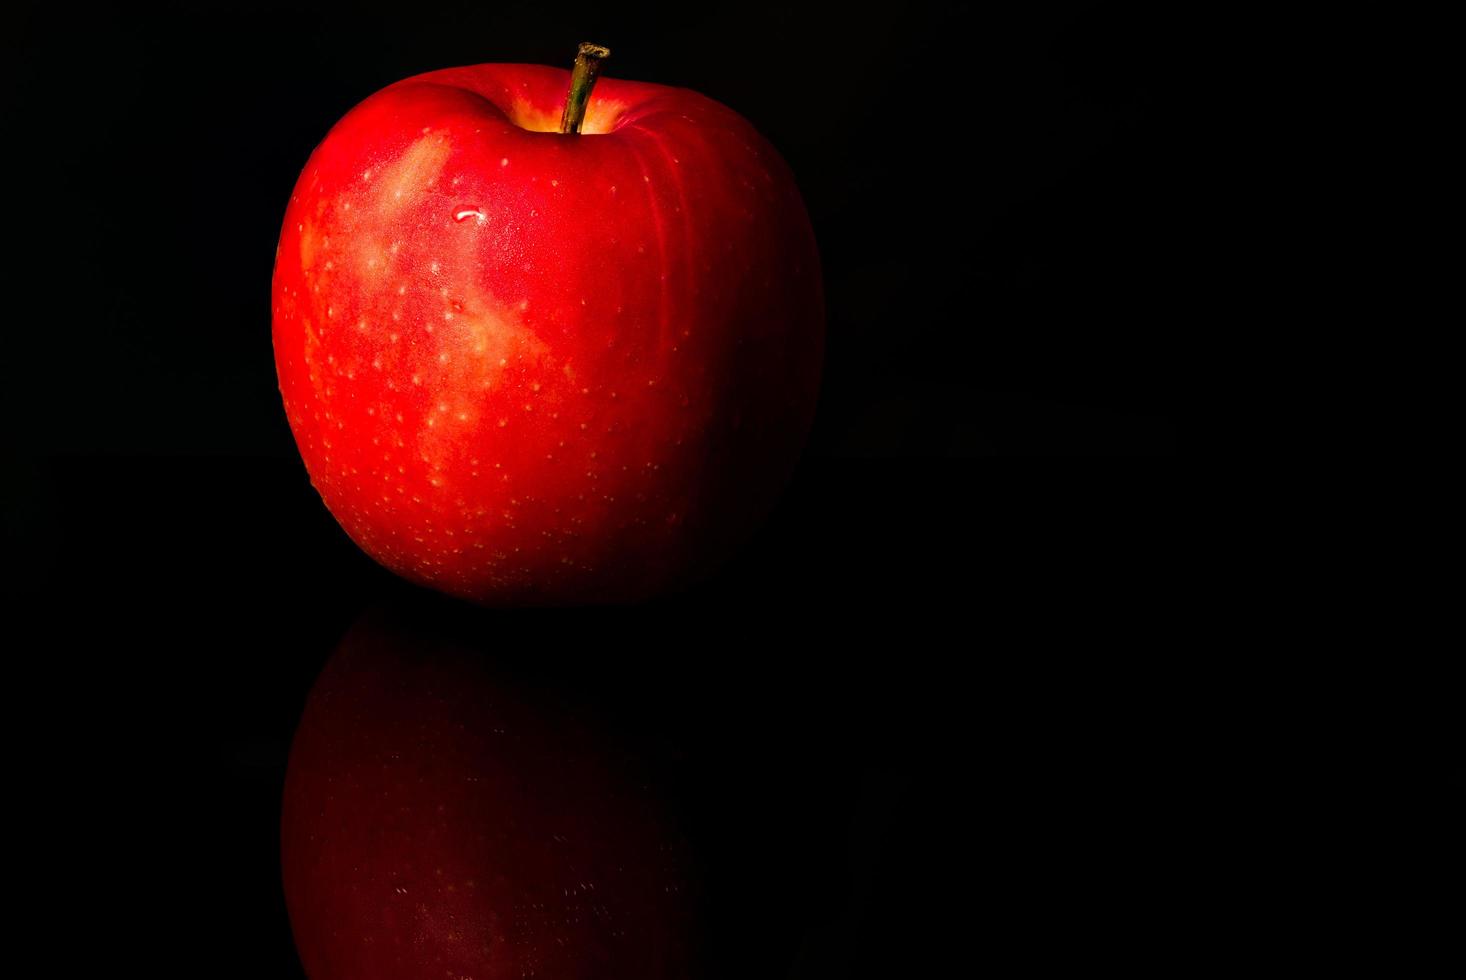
pixel 446 817
pixel 526 366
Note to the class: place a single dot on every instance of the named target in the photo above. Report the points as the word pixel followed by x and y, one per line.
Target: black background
pixel 928 715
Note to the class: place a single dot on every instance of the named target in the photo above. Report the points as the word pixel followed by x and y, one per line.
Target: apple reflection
pixel 449 813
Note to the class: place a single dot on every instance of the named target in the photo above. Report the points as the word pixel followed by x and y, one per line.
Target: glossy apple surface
pixel 443 817
pixel 528 367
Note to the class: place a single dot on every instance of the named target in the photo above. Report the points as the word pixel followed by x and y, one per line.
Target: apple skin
pixel 531 368
pixel 445 816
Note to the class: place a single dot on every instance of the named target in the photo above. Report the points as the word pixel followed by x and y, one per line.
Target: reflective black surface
pixel 931 711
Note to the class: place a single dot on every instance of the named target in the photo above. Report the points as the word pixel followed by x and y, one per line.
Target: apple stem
pixel 582 80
